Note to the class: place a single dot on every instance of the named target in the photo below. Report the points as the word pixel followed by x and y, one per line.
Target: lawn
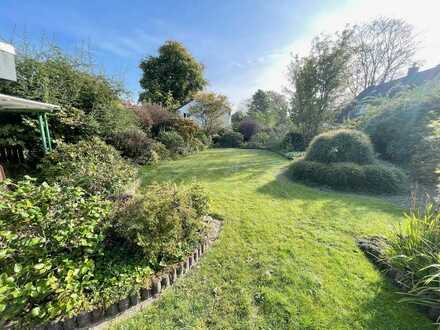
pixel 286 258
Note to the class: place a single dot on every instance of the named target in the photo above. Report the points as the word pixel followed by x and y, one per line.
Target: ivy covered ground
pixel 286 258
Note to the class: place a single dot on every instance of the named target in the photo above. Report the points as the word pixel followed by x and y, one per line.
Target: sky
pixel 244 45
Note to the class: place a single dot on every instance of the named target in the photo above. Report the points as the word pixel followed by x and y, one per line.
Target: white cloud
pixel 422 14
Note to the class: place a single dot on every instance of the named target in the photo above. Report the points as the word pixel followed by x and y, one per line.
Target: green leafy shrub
pixel 49 237
pixel 402 131
pixel 165 223
pixel 136 145
pixel 173 141
pixel 293 141
pixel 341 146
pixel 90 164
pixel 259 141
pixel 375 178
pixel 415 251
pixel 229 139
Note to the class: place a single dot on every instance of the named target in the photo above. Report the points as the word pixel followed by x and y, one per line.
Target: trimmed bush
pixel 341 146
pixel 229 139
pixel 293 141
pixel 92 165
pixel 165 223
pixel 374 178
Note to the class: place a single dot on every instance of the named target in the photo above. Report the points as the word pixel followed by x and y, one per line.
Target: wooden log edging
pixel 373 248
pixel 100 318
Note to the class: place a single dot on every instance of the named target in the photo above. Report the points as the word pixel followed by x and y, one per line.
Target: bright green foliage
pixel 286 257
pixel 402 129
pixel 49 238
pixel 91 164
pixel 341 146
pixel 172 77
pixel 89 103
pixel 229 139
pixel 165 222
pixel 374 178
pixel 415 250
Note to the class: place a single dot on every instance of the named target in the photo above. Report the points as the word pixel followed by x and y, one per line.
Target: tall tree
pixel 172 77
pixel 381 49
pixel 211 110
pixel 317 83
pixel 268 107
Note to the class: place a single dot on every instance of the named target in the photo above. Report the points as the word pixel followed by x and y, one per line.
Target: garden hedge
pixel 341 146
pixel 374 178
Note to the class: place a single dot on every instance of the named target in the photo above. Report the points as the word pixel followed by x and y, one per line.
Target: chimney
pixel 412 70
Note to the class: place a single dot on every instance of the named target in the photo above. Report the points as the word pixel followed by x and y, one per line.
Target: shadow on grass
pixel 284 188
pixel 383 311
pixel 202 167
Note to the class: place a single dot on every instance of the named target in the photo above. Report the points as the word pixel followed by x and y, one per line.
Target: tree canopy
pixel 268 108
pixel 171 78
pixel 210 109
pixel 317 83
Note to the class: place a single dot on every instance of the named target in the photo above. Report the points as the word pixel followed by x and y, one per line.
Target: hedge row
pixel 374 178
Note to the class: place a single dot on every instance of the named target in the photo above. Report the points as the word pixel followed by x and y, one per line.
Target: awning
pixel 19 105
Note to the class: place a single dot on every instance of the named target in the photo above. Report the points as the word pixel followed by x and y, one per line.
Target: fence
pixel 11 154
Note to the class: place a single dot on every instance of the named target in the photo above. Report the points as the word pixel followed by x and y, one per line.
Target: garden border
pixel 100 318
pixel 373 247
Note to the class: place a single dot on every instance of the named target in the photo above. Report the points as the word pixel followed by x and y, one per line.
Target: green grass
pixel 286 258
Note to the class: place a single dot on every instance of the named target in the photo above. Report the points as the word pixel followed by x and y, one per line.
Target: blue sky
pixel 244 44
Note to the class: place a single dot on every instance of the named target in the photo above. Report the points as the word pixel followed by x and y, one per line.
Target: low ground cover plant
pixel 344 160
pixel 90 164
pixel 64 251
pixel 49 238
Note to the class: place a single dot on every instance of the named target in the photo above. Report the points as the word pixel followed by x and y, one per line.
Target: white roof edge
pixel 8 48
pixel 13 102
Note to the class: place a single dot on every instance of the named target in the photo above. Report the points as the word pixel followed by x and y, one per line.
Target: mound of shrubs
pixel 135 144
pixel 344 160
pixel 229 139
pixel 164 223
pixel 403 132
pixel 93 165
pixel 374 178
pixel 49 236
pixel 64 251
pixel 341 146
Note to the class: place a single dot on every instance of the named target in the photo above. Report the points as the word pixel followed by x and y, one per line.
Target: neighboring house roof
pixel 414 78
